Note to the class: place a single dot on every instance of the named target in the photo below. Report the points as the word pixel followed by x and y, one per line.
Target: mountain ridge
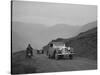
pixel 39 35
pixel 84 44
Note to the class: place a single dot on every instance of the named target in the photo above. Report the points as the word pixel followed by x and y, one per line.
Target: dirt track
pixel 44 64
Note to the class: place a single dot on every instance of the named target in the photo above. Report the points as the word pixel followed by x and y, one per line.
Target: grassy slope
pixel 84 44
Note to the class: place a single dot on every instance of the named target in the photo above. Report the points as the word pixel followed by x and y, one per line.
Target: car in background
pixel 39 51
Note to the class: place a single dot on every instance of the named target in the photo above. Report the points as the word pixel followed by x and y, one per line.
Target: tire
pixel 70 56
pixel 53 55
pixel 37 52
pixel 49 56
pixel 42 52
pixel 27 56
pixel 56 56
pixel 47 53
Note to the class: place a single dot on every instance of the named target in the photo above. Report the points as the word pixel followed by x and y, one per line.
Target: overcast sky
pixel 50 14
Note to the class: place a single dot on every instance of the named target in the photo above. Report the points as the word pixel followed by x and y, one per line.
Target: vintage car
pixel 40 51
pixel 58 49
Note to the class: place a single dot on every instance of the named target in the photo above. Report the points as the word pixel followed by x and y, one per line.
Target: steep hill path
pixel 44 64
pixel 40 63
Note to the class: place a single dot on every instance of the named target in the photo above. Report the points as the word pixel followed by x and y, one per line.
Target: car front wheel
pixel 70 56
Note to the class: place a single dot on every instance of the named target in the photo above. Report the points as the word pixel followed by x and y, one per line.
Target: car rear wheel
pixel 56 56
pixel 49 56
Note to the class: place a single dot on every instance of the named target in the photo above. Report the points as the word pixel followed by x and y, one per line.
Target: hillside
pixel 89 26
pixel 84 44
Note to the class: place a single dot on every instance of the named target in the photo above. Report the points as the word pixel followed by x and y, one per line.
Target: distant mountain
pixel 59 31
pixel 20 43
pixel 88 26
pixel 24 33
pixel 85 44
pixel 39 35
pixel 62 30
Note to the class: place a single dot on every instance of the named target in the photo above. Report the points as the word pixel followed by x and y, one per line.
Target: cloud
pixel 53 13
